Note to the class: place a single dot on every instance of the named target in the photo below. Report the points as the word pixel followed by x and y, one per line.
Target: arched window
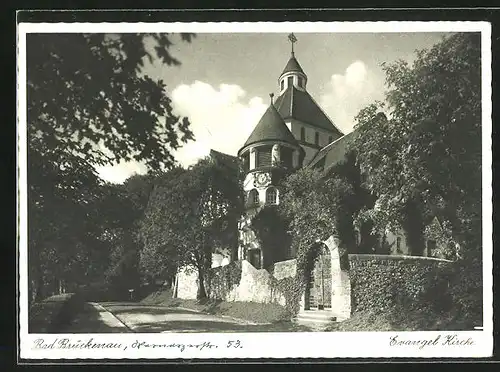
pixel 271 196
pixel 316 138
pixel 253 197
pixel 302 134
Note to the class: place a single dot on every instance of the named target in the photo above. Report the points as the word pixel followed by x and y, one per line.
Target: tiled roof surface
pixel 292 66
pixel 271 127
pixel 298 104
pixel 225 159
pixel 333 153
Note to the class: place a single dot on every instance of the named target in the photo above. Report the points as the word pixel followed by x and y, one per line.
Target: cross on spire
pixel 292 40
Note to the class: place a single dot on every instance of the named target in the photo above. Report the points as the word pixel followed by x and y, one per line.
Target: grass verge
pixel 249 311
pixel 54 314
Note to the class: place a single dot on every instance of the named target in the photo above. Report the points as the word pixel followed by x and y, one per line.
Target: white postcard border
pixel 262 345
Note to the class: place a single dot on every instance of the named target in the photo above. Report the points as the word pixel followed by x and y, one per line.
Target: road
pixel 134 317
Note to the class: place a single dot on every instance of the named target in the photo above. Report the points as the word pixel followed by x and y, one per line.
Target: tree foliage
pixel 191 215
pixel 89 104
pixel 424 160
pixel 87 95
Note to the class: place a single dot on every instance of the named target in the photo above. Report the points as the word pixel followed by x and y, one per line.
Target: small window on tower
pixel 302 134
pixel 282 84
pixel 290 81
pixel 316 138
pixel 271 195
pixel 253 197
pixel 300 82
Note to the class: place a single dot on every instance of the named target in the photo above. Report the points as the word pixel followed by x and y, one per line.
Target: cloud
pixel 346 94
pixel 118 173
pixel 221 119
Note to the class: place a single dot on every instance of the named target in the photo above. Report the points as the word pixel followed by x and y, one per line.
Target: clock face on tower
pixel 262 179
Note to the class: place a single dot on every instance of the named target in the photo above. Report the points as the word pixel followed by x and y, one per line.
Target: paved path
pixel 151 318
pixel 121 317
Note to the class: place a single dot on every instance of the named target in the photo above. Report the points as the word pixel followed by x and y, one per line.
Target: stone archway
pixel 319 286
pixel 337 285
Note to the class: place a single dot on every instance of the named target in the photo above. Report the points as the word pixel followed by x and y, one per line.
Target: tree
pixel 191 215
pixel 424 160
pixel 317 206
pixel 87 95
pixel 88 104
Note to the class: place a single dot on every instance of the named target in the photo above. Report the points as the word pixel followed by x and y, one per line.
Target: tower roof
pixel 299 104
pixel 271 127
pixel 292 66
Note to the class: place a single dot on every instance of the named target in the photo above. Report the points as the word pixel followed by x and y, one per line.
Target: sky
pixel 224 81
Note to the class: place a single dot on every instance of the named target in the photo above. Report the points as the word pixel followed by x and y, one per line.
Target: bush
pixel 55 313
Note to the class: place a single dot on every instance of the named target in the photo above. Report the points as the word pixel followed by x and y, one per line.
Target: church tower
pixel 305 119
pixel 270 153
pixel 288 136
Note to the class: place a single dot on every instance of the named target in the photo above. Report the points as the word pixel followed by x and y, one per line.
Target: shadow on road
pixel 90 320
pixel 117 310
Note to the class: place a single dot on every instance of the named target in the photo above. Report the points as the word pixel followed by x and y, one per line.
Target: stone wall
pixel 187 284
pixel 368 281
pixel 284 269
pixel 254 285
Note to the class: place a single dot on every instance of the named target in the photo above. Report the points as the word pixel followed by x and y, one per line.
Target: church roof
pixel 298 104
pixel 292 66
pixel 333 153
pixel 271 127
pixel 224 159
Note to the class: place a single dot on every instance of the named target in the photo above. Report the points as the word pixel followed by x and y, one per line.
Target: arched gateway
pixel 319 285
pixel 329 286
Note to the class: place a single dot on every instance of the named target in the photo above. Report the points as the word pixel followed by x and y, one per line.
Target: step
pixel 317 315
pixel 312 321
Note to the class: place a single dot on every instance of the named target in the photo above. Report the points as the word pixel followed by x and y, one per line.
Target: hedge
pixel 418 286
pixel 382 285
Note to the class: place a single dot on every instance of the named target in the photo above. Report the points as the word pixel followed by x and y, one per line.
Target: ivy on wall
pixel 271 229
pixel 221 280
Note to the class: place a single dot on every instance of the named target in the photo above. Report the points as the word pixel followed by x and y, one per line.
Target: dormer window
pixel 300 82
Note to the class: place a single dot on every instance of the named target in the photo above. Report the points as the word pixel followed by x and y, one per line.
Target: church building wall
pixel 324 137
